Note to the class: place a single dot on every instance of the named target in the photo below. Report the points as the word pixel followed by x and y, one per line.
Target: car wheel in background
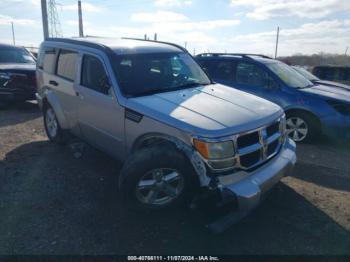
pixel 301 127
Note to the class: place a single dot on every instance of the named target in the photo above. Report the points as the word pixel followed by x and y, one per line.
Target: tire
pixel 302 127
pixel 161 166
pixel 52 127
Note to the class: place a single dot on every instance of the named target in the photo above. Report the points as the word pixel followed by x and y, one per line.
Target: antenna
pixel 54 22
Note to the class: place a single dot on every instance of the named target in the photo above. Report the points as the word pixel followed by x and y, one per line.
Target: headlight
pixel 214 150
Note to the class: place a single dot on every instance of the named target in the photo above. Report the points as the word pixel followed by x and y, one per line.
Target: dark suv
pixel 310 108
pixel 17 74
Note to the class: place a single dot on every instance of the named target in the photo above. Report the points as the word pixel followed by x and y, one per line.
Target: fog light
pixel 222 164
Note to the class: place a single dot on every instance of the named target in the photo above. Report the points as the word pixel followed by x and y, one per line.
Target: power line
pixel 54 22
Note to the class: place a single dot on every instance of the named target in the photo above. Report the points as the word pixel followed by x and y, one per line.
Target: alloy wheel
pixel 51 122
pixel 297 129
pixel 160 186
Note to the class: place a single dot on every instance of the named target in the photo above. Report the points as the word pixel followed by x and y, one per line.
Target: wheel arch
pixel 52 100
pixel 313 116
pixel 191 154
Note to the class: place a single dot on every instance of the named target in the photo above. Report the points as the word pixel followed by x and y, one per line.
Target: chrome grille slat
pixel 273 138
pixel 249 149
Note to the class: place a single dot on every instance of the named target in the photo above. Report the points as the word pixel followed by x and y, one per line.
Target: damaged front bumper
pixel 247 189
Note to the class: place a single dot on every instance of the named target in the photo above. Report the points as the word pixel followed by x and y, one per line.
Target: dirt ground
pixel 54 203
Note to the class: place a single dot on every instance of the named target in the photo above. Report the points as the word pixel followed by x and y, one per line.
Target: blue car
pixel 311 109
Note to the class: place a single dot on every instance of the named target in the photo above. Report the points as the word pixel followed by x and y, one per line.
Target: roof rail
pixel 234 54
pixel 156 41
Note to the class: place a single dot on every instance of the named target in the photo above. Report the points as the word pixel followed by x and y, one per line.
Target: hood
pixel 331 83
pixel 334 92
pixel 211 111
pixel 17 67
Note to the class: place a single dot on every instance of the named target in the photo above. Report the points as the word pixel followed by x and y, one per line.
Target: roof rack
pixel 156 41
pixel 234 54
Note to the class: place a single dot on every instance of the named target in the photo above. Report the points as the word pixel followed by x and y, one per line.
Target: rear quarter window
pixel 66 64
pixel 46 59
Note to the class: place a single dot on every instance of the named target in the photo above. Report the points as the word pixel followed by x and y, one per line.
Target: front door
pixel 253 79
pixel 101 118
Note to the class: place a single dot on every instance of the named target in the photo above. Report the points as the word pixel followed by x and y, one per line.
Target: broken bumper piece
pixel 248 189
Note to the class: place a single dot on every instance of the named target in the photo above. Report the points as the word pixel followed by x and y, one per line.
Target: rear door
pixel 101 118
pixel 62 83
pixel 221 71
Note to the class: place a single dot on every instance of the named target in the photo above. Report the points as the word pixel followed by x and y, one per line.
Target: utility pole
pixel 346 50
pixel 185 45
pixel 44 18
pixel 278 34
pixel 81 31
pixel 145 36
pixel 155 37
pixel 13 34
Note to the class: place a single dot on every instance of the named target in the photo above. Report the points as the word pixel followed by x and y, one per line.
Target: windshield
pixel 16 55
pixel 306 73
pixel 145 74
pixel 288 75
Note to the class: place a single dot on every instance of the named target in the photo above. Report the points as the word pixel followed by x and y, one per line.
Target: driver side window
pixel 94 76
pixel 252 75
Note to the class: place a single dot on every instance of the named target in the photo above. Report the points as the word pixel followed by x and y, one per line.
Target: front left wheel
pixel 157 177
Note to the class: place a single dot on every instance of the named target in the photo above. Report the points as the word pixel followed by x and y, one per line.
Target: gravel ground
pixel 53 203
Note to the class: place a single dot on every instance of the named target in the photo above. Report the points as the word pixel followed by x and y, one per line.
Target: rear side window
pixel 93 75
pixel 66 64
pixel 46 59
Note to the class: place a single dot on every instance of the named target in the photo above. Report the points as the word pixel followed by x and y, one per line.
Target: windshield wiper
pixel 308 86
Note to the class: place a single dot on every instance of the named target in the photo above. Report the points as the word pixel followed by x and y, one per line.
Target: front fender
pixel 54 102
pixel 192 155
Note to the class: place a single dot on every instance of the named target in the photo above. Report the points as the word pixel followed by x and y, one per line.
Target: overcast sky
pixel 307 26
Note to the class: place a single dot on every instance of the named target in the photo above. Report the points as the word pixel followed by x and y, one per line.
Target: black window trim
pixel 56 64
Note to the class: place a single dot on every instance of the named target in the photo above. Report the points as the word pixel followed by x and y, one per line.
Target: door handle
pixel 52 82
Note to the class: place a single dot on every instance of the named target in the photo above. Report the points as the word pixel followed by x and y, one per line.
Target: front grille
pixel 250 159
pixel 247 140
pixel 257 146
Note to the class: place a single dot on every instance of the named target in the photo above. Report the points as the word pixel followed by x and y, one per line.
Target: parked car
pixel 311 108
pixel 17 74
pixel 314 79
pixel 339 74
pixel 151 105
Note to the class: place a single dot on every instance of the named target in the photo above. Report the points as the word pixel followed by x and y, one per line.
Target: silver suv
pixel 150 105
